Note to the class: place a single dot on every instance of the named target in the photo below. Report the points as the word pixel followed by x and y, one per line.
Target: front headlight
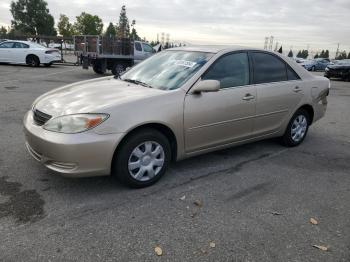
pixel 71 124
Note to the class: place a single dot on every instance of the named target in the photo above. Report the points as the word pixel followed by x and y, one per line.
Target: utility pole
pixel 337 52
pixel 266 42
pixel 271 43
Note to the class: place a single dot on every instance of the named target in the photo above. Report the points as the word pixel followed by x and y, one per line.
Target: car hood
pixel 92 96
pixel 343 66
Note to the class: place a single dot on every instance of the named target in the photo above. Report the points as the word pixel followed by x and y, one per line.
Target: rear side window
pixel 291 74
pixel 138 46
pixel 230 70
pixel 7 45
pixel 20 45
pixel 268 68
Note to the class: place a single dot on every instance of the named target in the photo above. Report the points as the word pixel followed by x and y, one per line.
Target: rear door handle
pixel 248 97
pixel 297 89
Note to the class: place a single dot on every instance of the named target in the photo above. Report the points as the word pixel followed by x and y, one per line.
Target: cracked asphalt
pixel 253 201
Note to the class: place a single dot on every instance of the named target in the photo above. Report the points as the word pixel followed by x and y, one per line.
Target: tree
pixel 134 35
pixel 341 55
pixel 3 32
pixel 280 50
pixel 290 54
pixel 123 29
pixel 88 24
pixel 65 28
pixel 304 54
pixel 316 56
pixel 322 54
pixel 111 31
pixel 326 54
pixel 32 17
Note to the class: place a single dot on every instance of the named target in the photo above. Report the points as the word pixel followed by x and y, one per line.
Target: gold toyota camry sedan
pixel 179 103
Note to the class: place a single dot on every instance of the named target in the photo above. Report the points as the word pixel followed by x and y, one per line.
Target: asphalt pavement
pixel 248 203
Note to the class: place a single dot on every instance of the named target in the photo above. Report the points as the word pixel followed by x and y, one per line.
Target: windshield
pixel 167 70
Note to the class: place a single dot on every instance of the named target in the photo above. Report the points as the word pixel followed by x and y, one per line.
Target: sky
pixel 296 24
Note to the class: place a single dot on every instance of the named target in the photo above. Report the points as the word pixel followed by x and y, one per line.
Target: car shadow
pixel 179 173
pixel 53 66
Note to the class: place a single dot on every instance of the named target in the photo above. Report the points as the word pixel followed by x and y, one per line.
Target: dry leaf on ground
pixel 276 213
pixel 198 203
pixel 183 198
pixel 323 248
pixel 313 221
pixel 212 244
pixel 158 251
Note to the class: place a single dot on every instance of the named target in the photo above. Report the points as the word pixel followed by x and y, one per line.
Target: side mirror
pixel 206 86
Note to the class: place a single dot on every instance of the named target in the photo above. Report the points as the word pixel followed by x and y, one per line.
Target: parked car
pixel 300 60
pixel 316 64
pixel 340 69
pixel 26 52
pixel 176 104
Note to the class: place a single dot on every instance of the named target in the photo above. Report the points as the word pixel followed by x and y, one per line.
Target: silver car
pixel 179 103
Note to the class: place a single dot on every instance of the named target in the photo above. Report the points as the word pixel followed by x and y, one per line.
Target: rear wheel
pixel 297 129
pixel 118 69
pixel 33 60
pixel 98 69
pixel 142 159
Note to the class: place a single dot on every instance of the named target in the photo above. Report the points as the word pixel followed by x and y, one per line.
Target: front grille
pixel 40 118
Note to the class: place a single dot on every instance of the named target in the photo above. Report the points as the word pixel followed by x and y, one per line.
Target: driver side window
pixel 230 70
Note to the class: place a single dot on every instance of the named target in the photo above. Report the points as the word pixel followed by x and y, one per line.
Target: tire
pixel 313 68
pixel 97 69
pixel 291 137
pixel 118 69
pixel 142 159
pixel 33 61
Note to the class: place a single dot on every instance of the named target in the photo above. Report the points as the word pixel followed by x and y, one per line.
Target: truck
pixel 104 53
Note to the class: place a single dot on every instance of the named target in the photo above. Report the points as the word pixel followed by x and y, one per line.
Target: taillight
pixel 51 51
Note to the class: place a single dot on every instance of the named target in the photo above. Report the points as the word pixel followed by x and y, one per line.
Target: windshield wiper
pixel 137 82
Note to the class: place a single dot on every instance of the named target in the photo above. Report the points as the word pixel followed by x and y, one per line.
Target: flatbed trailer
pixel 104 53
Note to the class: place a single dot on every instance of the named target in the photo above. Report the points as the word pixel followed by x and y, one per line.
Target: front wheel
pixel 297 129
pixel 142 159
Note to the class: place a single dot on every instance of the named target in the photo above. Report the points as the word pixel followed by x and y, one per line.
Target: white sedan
pixel 26 52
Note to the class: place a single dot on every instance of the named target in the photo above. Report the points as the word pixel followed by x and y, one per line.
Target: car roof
pixel 19 41
pixel 215 48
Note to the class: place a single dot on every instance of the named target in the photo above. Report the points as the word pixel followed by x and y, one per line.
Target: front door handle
pixel 297 89
pixel 248 97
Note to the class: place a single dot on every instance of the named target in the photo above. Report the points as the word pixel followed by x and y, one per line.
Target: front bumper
pixel 336 74
pixel 77 155
pixel 49 59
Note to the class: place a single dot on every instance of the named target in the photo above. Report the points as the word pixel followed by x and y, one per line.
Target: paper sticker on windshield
pixel 185 63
